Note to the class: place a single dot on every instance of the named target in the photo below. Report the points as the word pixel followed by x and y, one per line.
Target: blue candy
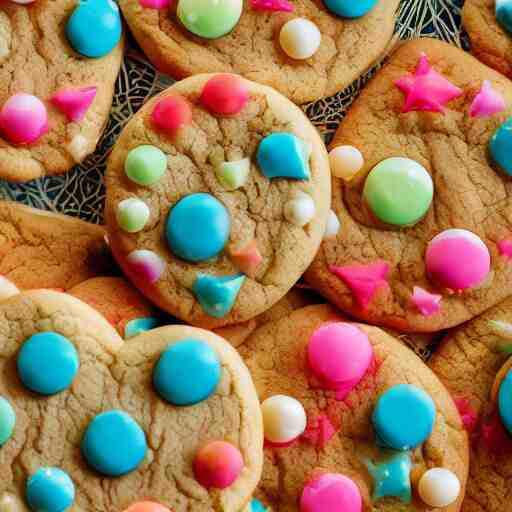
pixel 138 325
pixel 114 444
pixel 47 363
pixel 187 372
pixel 505 401
pixel 198 227
pixel 257 506
pixel 94 29
pixel 350 8
pixel 500 146
pixel 50 490
pixel 217 295
pixel 504 14
pixel 392 477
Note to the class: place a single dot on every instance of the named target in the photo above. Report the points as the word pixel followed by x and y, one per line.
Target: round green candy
pixel 132 215
pixel 145 165
pixel 7 420
pixel 209 18
pixel 398 191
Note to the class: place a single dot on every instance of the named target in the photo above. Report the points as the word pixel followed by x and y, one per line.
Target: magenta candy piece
pixel 74 103
pixel 272 5
pixel 225 94
pixel 218 465
pixel 319 431
pixel 426 302
pixel 505 247
pixel 487 102
pixel 155 4
pixel 148 265
pixel 23 119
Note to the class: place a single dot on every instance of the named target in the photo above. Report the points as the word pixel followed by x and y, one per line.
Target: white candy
pixel 7 289
pixel 132 215
pixel 300 38
pixel 346 162
pixel 333 225
pixel 284 418
pixel 300 210
pixel 77 148
pixel 439 487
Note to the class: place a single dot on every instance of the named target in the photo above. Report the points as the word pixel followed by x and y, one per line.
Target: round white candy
pixel 300 38
pixel 284 418
pixel 300 210
pixel 333 225
pixel 346 162
pixel 439 487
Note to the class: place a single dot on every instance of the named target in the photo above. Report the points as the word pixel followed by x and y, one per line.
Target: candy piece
pixel 217 294
pixel 50 490
pixel 104 16
pixel 426 302
pixel 171 113
pixel 439 487
pixel 23 119
pixel 284 419
pixel 501 328
pixel 399 191
pixel 505 247
pixel 300 210
pixel 339 354
pixel 74 103
pixel 147 506
pixel 257 506
pixel 333 225
pixel 47 363
pixel 233 175
pixel 187 372
pixel 426 90
pixel 346 162
pixel 7 289
pixel 146 264
pixel 504 14
pixel 198 227
pixel 331 492
pixel 225 94
pixel 77 147
pixel 272 5
pixel 392 477
pixel 155 4
pixel 283 155
pixel 300 38
pixel 499 146
pixel 319 431
pixel 7 420
pixel 138 325
pixel 145 165
pixel 248 258
pixel 114 444
pixel 363 280
pixel 218 465
pixel 349 8
pixel 505 401
pixel 132 215
pixel 457 259
pixel 487 102
pixel 403 417
pixel 467 413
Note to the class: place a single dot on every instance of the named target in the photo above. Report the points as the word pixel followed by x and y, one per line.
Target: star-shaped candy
pixel 426 90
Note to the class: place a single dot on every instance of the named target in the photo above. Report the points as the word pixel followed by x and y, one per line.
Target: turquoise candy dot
pixel 94 29
pixel 257 506
pixel 114 444
pixel 187 372
pixel 504 14
pixel 350 8
pixel 50 490
pixel 47 363
pixel 7 420
pixel 138 325
pixel 505 401
pixel 198 227
pixel 403 417
pixel 500 144
pixel 217 295
pixel 283 155
pixel 392 477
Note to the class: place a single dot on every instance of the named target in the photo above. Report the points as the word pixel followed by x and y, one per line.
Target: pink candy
pixel 505 247
pixel 23 119
pixel 487 102
pixel 247 258
pixel 319 431
pixel 331 492
pixel 155 4
pixel 74 103
pixel 218 465
pixel 171 113
pixel 146 264
pixel 225 94
pixel 272 5
pixel 426 302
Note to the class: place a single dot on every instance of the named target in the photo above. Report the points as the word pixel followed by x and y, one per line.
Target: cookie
pixel 305 49
pixel 421 190
pixel 335 440
pixel 121 423
pixel 58 83
pixel 218 195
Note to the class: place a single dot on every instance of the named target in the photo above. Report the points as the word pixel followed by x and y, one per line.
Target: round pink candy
pixel 171 113
pixel 146 264
pixel 225 94
pixel 331 493
pixel 339 354
pixel 457 259
pixel 23 119
pixel 218 465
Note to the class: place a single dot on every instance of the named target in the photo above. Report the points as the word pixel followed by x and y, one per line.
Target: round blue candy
pixel 500 144
pixel 403 417
pixel 50 490
pixel 198 227
pixel 350 8
pixel 257 506
pixel 47 363
pixel 114 444
pixel 187 372
pixel 504 14
pixel 505 401
pixel 94 29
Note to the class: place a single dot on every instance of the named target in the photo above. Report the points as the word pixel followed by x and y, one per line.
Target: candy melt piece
pixel 217 295
pixel 247 258
pixel 319 431
pixel 7 420
pixel 155 4
pixel 505 401
pixel 392 477
pixel 74 103
pixel 284 419
pixel 505 247
pixel 403 417
pixel 187 372
pixel 504 14
pixel 171 113
pixel 457 259
pixel 50 490
pixel 439 487
pixel 487 102
pixel 257 506
pixel 426 302
pixel 272 5
pixel 147 506
pixel 225 94
pixel 146 264
pixel 23 119
pixel 346 162
pixel 132 215
pixel 218 465
pixel 300 210
pixel 332 226
pixel 7 289
pixel 138 325
pixel 350 9
pixel 426 90
pixel 114 444
pixel 300 38
pixel 233 175
pixel 499 146
pixel 145 165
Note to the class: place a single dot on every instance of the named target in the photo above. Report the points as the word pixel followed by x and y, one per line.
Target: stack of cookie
pixel 236 338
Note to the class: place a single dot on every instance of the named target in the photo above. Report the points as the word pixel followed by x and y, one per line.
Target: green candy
pixel 209 18
pixel 399 191
pixel 132 215
pixel 145 165
pixel 7 420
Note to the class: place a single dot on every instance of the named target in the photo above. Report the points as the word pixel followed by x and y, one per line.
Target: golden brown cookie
pixel 425 216
pixel 106 420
